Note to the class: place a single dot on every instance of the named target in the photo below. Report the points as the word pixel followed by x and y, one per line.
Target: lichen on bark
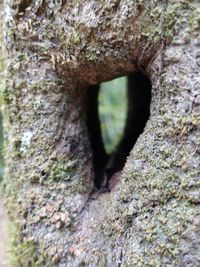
pixel 53 51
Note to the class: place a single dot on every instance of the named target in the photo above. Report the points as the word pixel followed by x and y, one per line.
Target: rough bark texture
pixel 53 51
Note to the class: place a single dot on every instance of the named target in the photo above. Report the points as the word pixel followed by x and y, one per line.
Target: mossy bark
pixel 53 50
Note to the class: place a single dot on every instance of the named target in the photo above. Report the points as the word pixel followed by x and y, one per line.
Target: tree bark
pixel 53 50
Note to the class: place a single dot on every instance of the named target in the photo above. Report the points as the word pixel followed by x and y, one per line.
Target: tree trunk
pixel 53 51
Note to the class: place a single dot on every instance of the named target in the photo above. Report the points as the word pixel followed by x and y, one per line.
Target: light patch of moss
pixel 170 21
pixel 62 171
pixel 23 253
pixel 194 21
pixel 92 55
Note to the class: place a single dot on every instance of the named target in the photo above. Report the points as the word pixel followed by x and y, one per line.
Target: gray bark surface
pixel 53 50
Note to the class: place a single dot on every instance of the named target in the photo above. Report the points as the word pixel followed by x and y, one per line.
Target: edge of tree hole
pixel 107 167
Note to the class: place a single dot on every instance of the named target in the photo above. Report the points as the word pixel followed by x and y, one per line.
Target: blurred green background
pixel 112 111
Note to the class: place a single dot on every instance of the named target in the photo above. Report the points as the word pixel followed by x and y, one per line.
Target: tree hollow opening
pixel 108 161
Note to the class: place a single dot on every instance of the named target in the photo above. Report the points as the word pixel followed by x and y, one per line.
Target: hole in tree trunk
pixel 108 162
